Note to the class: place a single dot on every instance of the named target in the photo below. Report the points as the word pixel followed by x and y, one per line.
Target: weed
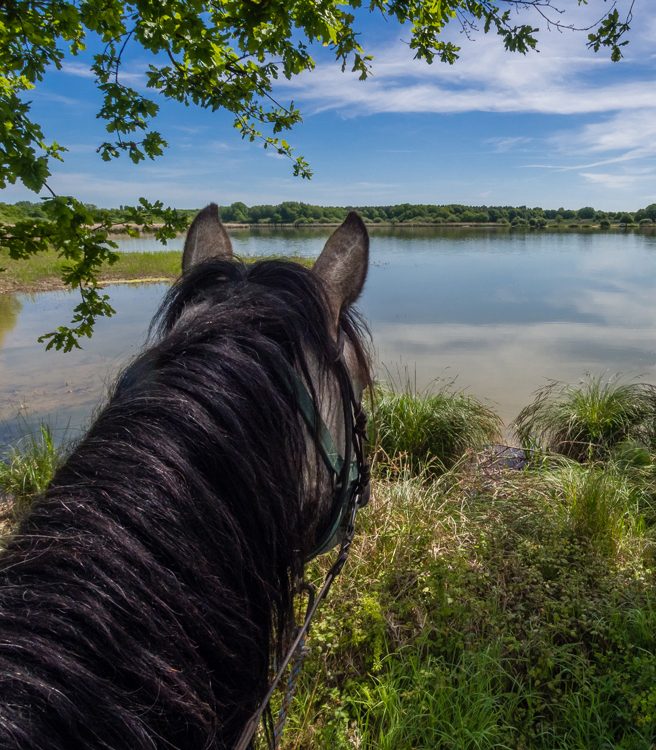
pixel 27 469
pixel 587 421
pixel 430 432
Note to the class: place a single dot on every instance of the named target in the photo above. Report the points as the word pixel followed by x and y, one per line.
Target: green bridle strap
pixel 332 458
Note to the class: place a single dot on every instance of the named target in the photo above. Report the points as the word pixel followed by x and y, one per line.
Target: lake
pixel 498 313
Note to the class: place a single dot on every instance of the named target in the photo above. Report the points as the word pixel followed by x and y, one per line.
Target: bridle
pixel 351 475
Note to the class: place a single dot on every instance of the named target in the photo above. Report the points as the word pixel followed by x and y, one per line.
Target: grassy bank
pixel 42 272
pixel 514 613
pixel 487 607
pixel 482 606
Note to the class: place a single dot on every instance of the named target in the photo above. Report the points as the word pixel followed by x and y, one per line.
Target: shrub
pixel 428 432
pixel 588 420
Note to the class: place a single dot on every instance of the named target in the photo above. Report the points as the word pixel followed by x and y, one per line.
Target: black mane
pixel 140 598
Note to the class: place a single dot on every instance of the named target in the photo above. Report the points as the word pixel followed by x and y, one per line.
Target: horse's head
pixel 329 379
pixel 146 597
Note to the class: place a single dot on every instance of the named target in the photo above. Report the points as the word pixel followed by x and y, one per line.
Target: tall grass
pixel 603 504
pixel 588 420
pixel 516 614
pixel 464 705
pixel 428 432
pixel 27 468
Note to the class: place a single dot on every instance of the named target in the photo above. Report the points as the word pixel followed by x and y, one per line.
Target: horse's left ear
pixel 343 264
pixel 206 238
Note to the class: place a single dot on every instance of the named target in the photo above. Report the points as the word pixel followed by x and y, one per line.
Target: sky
pixel 559 127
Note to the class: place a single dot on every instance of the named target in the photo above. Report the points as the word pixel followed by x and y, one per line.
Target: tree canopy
pixel 221 54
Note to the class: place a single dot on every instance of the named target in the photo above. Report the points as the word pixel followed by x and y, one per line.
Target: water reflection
pixel 498 312
pixel 507 363
pixel 10 307
pixel 65 389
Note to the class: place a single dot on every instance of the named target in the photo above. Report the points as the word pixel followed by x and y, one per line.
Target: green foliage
pixel 463 705
pixel 588 420
pixel 428 432
pixel 215 55
pixel 587 212
pixel 604 504
pixel 513 619
pixel 27 469
pixel 295 212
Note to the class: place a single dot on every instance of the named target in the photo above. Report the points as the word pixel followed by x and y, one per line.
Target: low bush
pixel 428 433
pixel 589 420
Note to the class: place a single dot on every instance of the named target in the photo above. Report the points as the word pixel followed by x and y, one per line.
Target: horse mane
pixel 145 596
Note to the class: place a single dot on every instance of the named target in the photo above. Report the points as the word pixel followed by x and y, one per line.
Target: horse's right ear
pixel 206 238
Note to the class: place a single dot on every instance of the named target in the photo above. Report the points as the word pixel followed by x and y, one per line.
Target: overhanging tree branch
pixel 222 54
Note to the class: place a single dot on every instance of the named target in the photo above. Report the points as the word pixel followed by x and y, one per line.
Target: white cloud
pixel 619 180
pixel 503 145
pixel 560 79
pixel 130 76
pixel 631 131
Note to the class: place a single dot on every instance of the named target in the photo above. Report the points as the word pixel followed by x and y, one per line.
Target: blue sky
pixel 562 127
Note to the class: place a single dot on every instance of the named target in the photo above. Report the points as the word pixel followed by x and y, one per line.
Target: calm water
pixel 498 313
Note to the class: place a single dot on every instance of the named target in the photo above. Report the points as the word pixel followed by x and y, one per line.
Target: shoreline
pixel 54 284
pixel 42 273
pixel 596 227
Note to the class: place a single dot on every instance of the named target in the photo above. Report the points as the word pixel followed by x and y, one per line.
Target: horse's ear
pixel 206 238
pixel 343 263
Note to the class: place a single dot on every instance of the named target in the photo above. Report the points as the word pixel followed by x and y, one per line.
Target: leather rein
pixel 351 476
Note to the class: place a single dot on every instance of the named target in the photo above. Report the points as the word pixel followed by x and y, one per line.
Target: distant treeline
pixel 292 212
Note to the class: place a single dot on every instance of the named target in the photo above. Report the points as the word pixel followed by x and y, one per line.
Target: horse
pixel 146 596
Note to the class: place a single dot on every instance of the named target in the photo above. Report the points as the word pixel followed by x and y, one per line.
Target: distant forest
pixel 292 212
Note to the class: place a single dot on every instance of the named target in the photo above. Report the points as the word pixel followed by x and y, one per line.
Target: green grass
pixel 488 614
pixel 589 420
pixel 44 269
pixel 462 705
pixel 27 468
pixel 428 432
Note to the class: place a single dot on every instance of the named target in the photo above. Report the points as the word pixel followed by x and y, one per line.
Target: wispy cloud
pixel 626 143
pixel 627 180
pixel 558 80
pixel 131 76
pixel 511 143
pixel 80 70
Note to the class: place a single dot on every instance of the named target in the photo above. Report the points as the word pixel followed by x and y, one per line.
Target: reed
pixel 428 433
pixel 588 420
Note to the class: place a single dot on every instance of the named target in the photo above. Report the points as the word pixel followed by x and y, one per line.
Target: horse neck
pixel 176 523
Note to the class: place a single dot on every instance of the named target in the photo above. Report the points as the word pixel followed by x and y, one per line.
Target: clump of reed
pixel 26 470
pixel 587 421
pixel 430 432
